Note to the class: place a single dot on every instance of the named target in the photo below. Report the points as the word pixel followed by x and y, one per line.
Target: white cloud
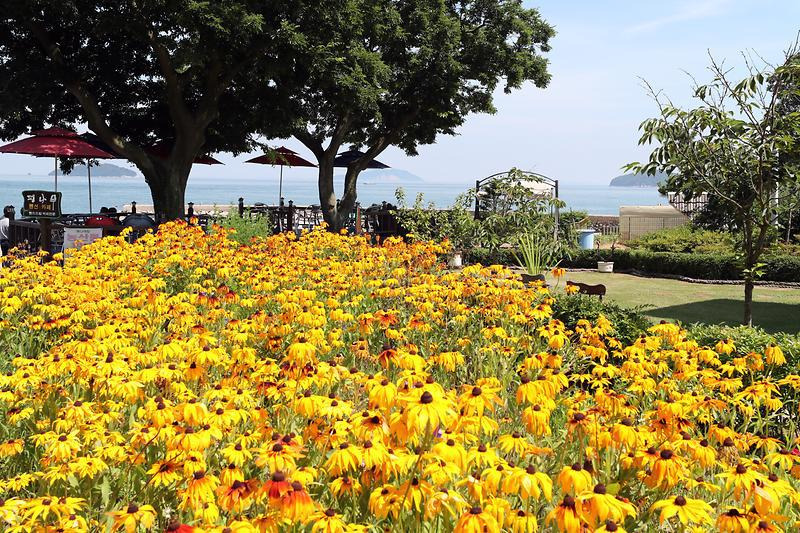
pixel 686 12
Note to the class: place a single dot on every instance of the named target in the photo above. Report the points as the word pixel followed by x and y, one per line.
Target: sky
pixel 583 127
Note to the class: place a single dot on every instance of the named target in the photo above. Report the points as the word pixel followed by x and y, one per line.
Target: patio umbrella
pixel 345 158
pixel 59 142
pixel 284 157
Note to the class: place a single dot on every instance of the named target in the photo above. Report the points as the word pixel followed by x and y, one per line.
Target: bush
pixel 628 323
pixel 685 239
pixel 698 266
pixel 748 339
pixel 782 268
pixel 247 227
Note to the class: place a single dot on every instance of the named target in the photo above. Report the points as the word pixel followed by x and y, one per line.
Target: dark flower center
pixel 426 398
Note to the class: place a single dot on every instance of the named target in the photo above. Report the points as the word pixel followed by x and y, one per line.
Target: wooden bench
pixel 593 290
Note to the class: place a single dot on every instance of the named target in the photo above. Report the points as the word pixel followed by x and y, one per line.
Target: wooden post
pixel 133 207
pixel 241 207
pixel 45 226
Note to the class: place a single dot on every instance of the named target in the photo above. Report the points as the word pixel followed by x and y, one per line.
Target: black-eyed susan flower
pixel 687 510
pixel 132 517
pixel 476 521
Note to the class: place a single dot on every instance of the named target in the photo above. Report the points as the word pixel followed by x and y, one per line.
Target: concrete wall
pixel 635 221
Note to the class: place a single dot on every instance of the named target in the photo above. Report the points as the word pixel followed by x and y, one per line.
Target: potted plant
pixel 605 258
pixel 536 256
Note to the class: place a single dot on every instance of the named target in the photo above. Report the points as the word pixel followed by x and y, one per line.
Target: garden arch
pixel 540 183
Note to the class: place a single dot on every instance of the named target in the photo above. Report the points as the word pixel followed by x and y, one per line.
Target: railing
pixel 688 207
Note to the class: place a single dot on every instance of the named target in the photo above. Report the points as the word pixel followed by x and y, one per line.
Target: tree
pixel 141 71
pixel 736 146
pixel 380 73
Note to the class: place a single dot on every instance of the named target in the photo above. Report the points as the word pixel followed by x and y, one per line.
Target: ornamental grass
pixel 189 383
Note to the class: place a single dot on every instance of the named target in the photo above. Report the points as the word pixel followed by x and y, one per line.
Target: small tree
pixel 733 146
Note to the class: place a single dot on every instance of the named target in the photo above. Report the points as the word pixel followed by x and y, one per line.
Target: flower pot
pixel 605 266
pixel 455 260
pixel 531 278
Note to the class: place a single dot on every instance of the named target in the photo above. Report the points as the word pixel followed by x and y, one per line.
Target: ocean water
pixel 111 191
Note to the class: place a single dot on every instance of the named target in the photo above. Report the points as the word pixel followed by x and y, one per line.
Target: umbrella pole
pixel 280 187
pixel 55 160
pixel 89 174
pixel 280 204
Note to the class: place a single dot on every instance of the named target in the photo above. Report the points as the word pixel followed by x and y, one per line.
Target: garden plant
pixel 189 382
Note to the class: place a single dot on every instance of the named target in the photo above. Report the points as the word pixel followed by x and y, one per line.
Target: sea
pixel 118 191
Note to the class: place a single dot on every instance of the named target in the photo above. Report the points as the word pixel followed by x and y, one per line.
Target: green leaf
pixel 105 492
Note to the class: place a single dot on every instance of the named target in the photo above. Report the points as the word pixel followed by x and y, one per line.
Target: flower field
pixel 187 383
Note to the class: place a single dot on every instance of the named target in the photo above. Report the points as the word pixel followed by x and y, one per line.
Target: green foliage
pixel 246 228
pixel 510 210
pixel 685 239
pixel 628 324
pixel 697 266
pixel 748 339
pixel 517 212
pixel 425 222
pixel 537 254
pixel 738 146
pixel 377 73
pixel 138 72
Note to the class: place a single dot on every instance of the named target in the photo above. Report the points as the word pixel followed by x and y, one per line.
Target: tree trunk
pixel 349 197
pixel 168 189
pixel 748 301
pixel 327 196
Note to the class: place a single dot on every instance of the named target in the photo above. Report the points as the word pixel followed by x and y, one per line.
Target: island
pixel 103 169
pixel 639 180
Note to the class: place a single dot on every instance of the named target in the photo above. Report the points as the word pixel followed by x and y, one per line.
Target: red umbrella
pixel 284 157
pixel 58 142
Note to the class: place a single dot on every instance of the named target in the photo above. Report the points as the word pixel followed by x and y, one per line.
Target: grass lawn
pixel 773 309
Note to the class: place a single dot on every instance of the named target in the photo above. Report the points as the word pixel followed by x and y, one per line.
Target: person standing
pixel 5 222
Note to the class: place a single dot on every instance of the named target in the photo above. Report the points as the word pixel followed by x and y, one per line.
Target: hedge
pixel 699 266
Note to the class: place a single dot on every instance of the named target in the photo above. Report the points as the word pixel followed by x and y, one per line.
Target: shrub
pixel 628 323
pixel 782 268
pixel 698 266
pixel 246 227
pixel 748 339
pixel 685 239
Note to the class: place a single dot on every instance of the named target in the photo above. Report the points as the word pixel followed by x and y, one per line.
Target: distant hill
pixel 389 175
pixel 638 180
pixel 103 169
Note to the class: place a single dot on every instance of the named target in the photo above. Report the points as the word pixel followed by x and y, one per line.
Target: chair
pixel 593 290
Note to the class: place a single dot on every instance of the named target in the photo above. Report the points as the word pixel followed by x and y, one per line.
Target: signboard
pixel 41 204
pixel 77 237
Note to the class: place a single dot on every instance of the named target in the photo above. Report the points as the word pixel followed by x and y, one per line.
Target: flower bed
pixel 185 383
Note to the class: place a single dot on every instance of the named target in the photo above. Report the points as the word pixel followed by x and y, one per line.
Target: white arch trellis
pixel 522 175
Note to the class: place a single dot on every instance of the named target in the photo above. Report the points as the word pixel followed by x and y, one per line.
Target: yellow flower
pixel 327 522
pixel 428 412
pixel 565 516
pixel 133 517
pixel 688 510
pixel 476 521
pixel 344 459
pixel 574 479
